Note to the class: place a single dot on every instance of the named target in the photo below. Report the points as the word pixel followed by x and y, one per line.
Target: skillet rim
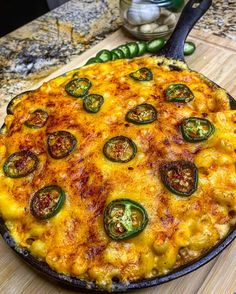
pixel 187 20
pixel 74 283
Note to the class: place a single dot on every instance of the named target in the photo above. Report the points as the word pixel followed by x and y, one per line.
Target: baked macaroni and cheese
pixel 119 171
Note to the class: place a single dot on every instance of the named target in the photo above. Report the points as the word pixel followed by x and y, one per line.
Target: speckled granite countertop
pixel 40 47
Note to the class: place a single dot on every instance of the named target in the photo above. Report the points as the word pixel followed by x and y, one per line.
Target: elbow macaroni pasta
pixel 180 229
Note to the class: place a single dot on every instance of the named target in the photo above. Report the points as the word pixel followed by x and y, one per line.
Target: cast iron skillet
pixel 173 50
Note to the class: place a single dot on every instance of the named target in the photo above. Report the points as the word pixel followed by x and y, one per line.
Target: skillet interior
pixel 78 284
pixel 173 50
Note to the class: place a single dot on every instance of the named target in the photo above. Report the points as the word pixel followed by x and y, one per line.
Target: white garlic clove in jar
pixel 139 14
pixel 165 12
pixel 161 29
pixel 148 28
pixel 132 28
pixel 170 20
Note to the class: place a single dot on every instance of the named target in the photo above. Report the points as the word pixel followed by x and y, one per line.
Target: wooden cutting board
pixel 216 58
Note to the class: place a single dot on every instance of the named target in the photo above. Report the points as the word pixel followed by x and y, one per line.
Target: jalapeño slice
pixel 155 45
pixel 3 129
pixel 61 144
pixel 93 60
pixel 118 52
pixel 93 102
pixel 47 202
pixel 120 149
pixel 78 87
pixel 114 56
pixel 142 114
pixel 133 49
pixel 124 219
pixel 125 50
pixel 20 164
pixel 195 129
pixel 142 74
pixel 142 47
pixel 189 48
pixel 179 93
pixel 37 119
pixel 180 177
pixel 104 55
pixel 14 101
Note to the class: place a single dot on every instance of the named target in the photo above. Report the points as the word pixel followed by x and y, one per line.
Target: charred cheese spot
pixel 179 230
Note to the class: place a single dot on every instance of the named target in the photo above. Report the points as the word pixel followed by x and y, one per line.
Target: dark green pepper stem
pixel 141 114
pixel 195 129
pixel 180 177
pixel 120 149
pixel 61 144
pixel 93 102
pixel 78 87
pixel 124 219
pixel 20 164
pixel 47 202
pixel 179 93
pixel 142 74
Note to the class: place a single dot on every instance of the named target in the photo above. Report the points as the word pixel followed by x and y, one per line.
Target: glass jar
pixel 148 19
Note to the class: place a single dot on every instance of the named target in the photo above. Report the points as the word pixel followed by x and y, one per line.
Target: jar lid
pixel 162 2
pixel 177 5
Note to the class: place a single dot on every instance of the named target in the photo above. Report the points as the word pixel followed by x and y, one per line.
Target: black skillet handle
pixel 191 13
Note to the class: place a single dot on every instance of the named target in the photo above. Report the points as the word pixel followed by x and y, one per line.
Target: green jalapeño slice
pixel 93 102
pixel 179 93
pixel 37 119
pixel 142 114
pixel 124 219
pixel 3 129
pixel 16 100
pixel 142 74
pixel 47 202
pixel 61 144
pixel 180 177
pixel 78 87
pixel 120 149
pixel 195 129
pixel 20 164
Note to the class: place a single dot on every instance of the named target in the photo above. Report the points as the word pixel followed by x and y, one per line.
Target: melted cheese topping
pixel 180 228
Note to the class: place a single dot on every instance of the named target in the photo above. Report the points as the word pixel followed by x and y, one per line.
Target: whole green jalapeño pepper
pixel 180 177
pixel 195 129
pixel 124 219
pixel 179 93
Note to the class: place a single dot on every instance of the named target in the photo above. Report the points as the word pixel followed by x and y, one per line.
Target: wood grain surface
pixel 216 58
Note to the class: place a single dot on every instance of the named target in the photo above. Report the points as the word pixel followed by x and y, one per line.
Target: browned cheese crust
pixel 179 230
